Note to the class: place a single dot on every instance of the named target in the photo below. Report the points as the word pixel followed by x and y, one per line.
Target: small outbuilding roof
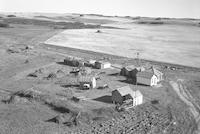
pixel 145 74
pixel 103 62
pixel 127 90
pixel 124 90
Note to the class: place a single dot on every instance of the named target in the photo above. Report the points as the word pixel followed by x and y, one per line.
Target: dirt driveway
pixel 187 98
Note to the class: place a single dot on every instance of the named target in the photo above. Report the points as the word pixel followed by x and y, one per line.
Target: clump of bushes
pixel 3 24
pixel 136 18
pixel 158 18
pixel 98 31
pixel 127 16
pixel 11 15
pixel 151 22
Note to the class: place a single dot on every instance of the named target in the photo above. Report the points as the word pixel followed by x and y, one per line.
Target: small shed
pixel 90 63
pixel 125 95
pixel 102 64
pixel 87 81
pixel 146 78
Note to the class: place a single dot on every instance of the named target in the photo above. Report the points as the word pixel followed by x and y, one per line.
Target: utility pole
pixel 138 59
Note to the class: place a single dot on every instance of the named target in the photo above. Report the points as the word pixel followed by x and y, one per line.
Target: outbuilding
pixel 146 78
pixel 87 82
pixel 131 71
pixel 102 64
pixel 90 63
pixel 158 74
pixel 127 97
pixel 72 61
pixel 127 70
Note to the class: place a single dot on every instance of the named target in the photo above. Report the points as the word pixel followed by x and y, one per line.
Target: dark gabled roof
pixel 145 74
pixel 102 62
pixel 130 68
pixel 133 67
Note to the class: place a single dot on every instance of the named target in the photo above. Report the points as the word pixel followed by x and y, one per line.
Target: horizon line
pixel 103 15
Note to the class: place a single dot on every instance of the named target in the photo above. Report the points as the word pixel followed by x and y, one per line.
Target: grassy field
pixel 166 43
pixel 33 103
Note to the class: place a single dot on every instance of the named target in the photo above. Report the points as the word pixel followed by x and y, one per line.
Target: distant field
pixel 167 43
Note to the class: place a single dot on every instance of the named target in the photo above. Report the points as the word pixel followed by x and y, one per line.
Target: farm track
pixel 188 99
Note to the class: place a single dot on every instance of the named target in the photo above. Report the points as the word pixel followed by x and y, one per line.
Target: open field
pixel 173 44
pixel 38 93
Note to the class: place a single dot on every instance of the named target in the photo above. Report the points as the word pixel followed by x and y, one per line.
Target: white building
pixel 127 97
pixel 87 82
pixel 102 64
pixel 146 78
pixel 90 63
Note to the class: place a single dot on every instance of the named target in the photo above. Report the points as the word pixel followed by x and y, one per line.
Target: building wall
pixel 108 65
pixel 94 82
pixel 154 80
pixel 138 100
pixel 102 66
pixel 123 72
pixel 142 80
pixel 98 65
pixel 116 97
pixel 133 73
pixel 71 62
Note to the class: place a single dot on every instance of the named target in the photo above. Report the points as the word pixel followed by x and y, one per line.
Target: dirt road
pixel 187 98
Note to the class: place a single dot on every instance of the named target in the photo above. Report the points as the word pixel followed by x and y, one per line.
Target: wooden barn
pixel 72 61
pixel 87 82
pixel 128 70
pixel 102 64
pixel 126 96
pixel 131 71
pixel 146 78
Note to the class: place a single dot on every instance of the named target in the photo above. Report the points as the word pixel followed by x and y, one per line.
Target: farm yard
pixel 40 92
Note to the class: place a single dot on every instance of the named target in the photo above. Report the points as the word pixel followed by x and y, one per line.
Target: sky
pixel 149 8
